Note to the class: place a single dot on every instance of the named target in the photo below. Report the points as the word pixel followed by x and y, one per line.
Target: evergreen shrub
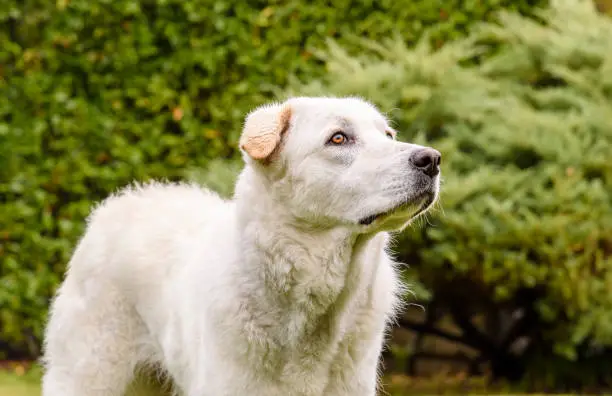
pixel 520 254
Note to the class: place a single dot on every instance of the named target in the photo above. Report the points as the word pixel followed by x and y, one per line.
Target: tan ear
pixel 263 130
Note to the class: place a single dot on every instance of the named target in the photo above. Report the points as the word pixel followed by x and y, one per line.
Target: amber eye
pixel 338 138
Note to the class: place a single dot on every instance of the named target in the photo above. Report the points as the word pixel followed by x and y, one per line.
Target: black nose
pixel 427 160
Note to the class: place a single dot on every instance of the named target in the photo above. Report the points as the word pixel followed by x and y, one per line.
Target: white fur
pixel 278 292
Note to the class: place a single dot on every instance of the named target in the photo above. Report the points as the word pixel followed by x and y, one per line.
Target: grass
pixel 19 381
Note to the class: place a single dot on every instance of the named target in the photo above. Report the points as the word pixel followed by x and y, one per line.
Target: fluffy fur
pixel 284 290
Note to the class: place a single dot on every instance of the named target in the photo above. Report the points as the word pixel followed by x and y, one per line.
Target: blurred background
pixel 512 275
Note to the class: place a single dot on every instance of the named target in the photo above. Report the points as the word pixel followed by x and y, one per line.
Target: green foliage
pixel 95 94
pixel 220 176
pixel 526 137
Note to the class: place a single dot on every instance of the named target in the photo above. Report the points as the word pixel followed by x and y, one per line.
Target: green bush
pixel 95 94
pixel 522 112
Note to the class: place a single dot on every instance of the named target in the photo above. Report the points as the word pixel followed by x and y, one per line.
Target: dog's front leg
pixel 355 373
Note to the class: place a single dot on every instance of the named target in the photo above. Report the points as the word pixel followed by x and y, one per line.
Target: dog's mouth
pixel 423 203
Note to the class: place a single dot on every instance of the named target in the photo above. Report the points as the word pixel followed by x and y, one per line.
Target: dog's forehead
pixel 347 110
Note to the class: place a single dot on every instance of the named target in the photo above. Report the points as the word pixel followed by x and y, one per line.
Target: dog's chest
pixel 314 338
pixel 330 363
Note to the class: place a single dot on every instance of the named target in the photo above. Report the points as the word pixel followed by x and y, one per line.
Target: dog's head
pixel 335 161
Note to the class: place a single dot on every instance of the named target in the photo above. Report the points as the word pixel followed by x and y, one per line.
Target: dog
pixel 287 289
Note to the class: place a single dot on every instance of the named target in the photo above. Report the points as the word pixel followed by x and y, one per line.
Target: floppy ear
pixel 263 130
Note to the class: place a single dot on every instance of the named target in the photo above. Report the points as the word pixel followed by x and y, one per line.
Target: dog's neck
pixel 299 281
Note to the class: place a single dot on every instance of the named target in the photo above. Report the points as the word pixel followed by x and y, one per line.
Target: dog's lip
pixel 428 199
pixel 372 218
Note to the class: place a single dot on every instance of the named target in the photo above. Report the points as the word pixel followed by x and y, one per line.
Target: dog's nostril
pixel 427 160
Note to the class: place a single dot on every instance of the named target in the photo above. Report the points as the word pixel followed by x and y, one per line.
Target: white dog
pixel 286 290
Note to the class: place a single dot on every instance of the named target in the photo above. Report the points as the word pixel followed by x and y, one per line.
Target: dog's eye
pixel 338 138
pixel 389 135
